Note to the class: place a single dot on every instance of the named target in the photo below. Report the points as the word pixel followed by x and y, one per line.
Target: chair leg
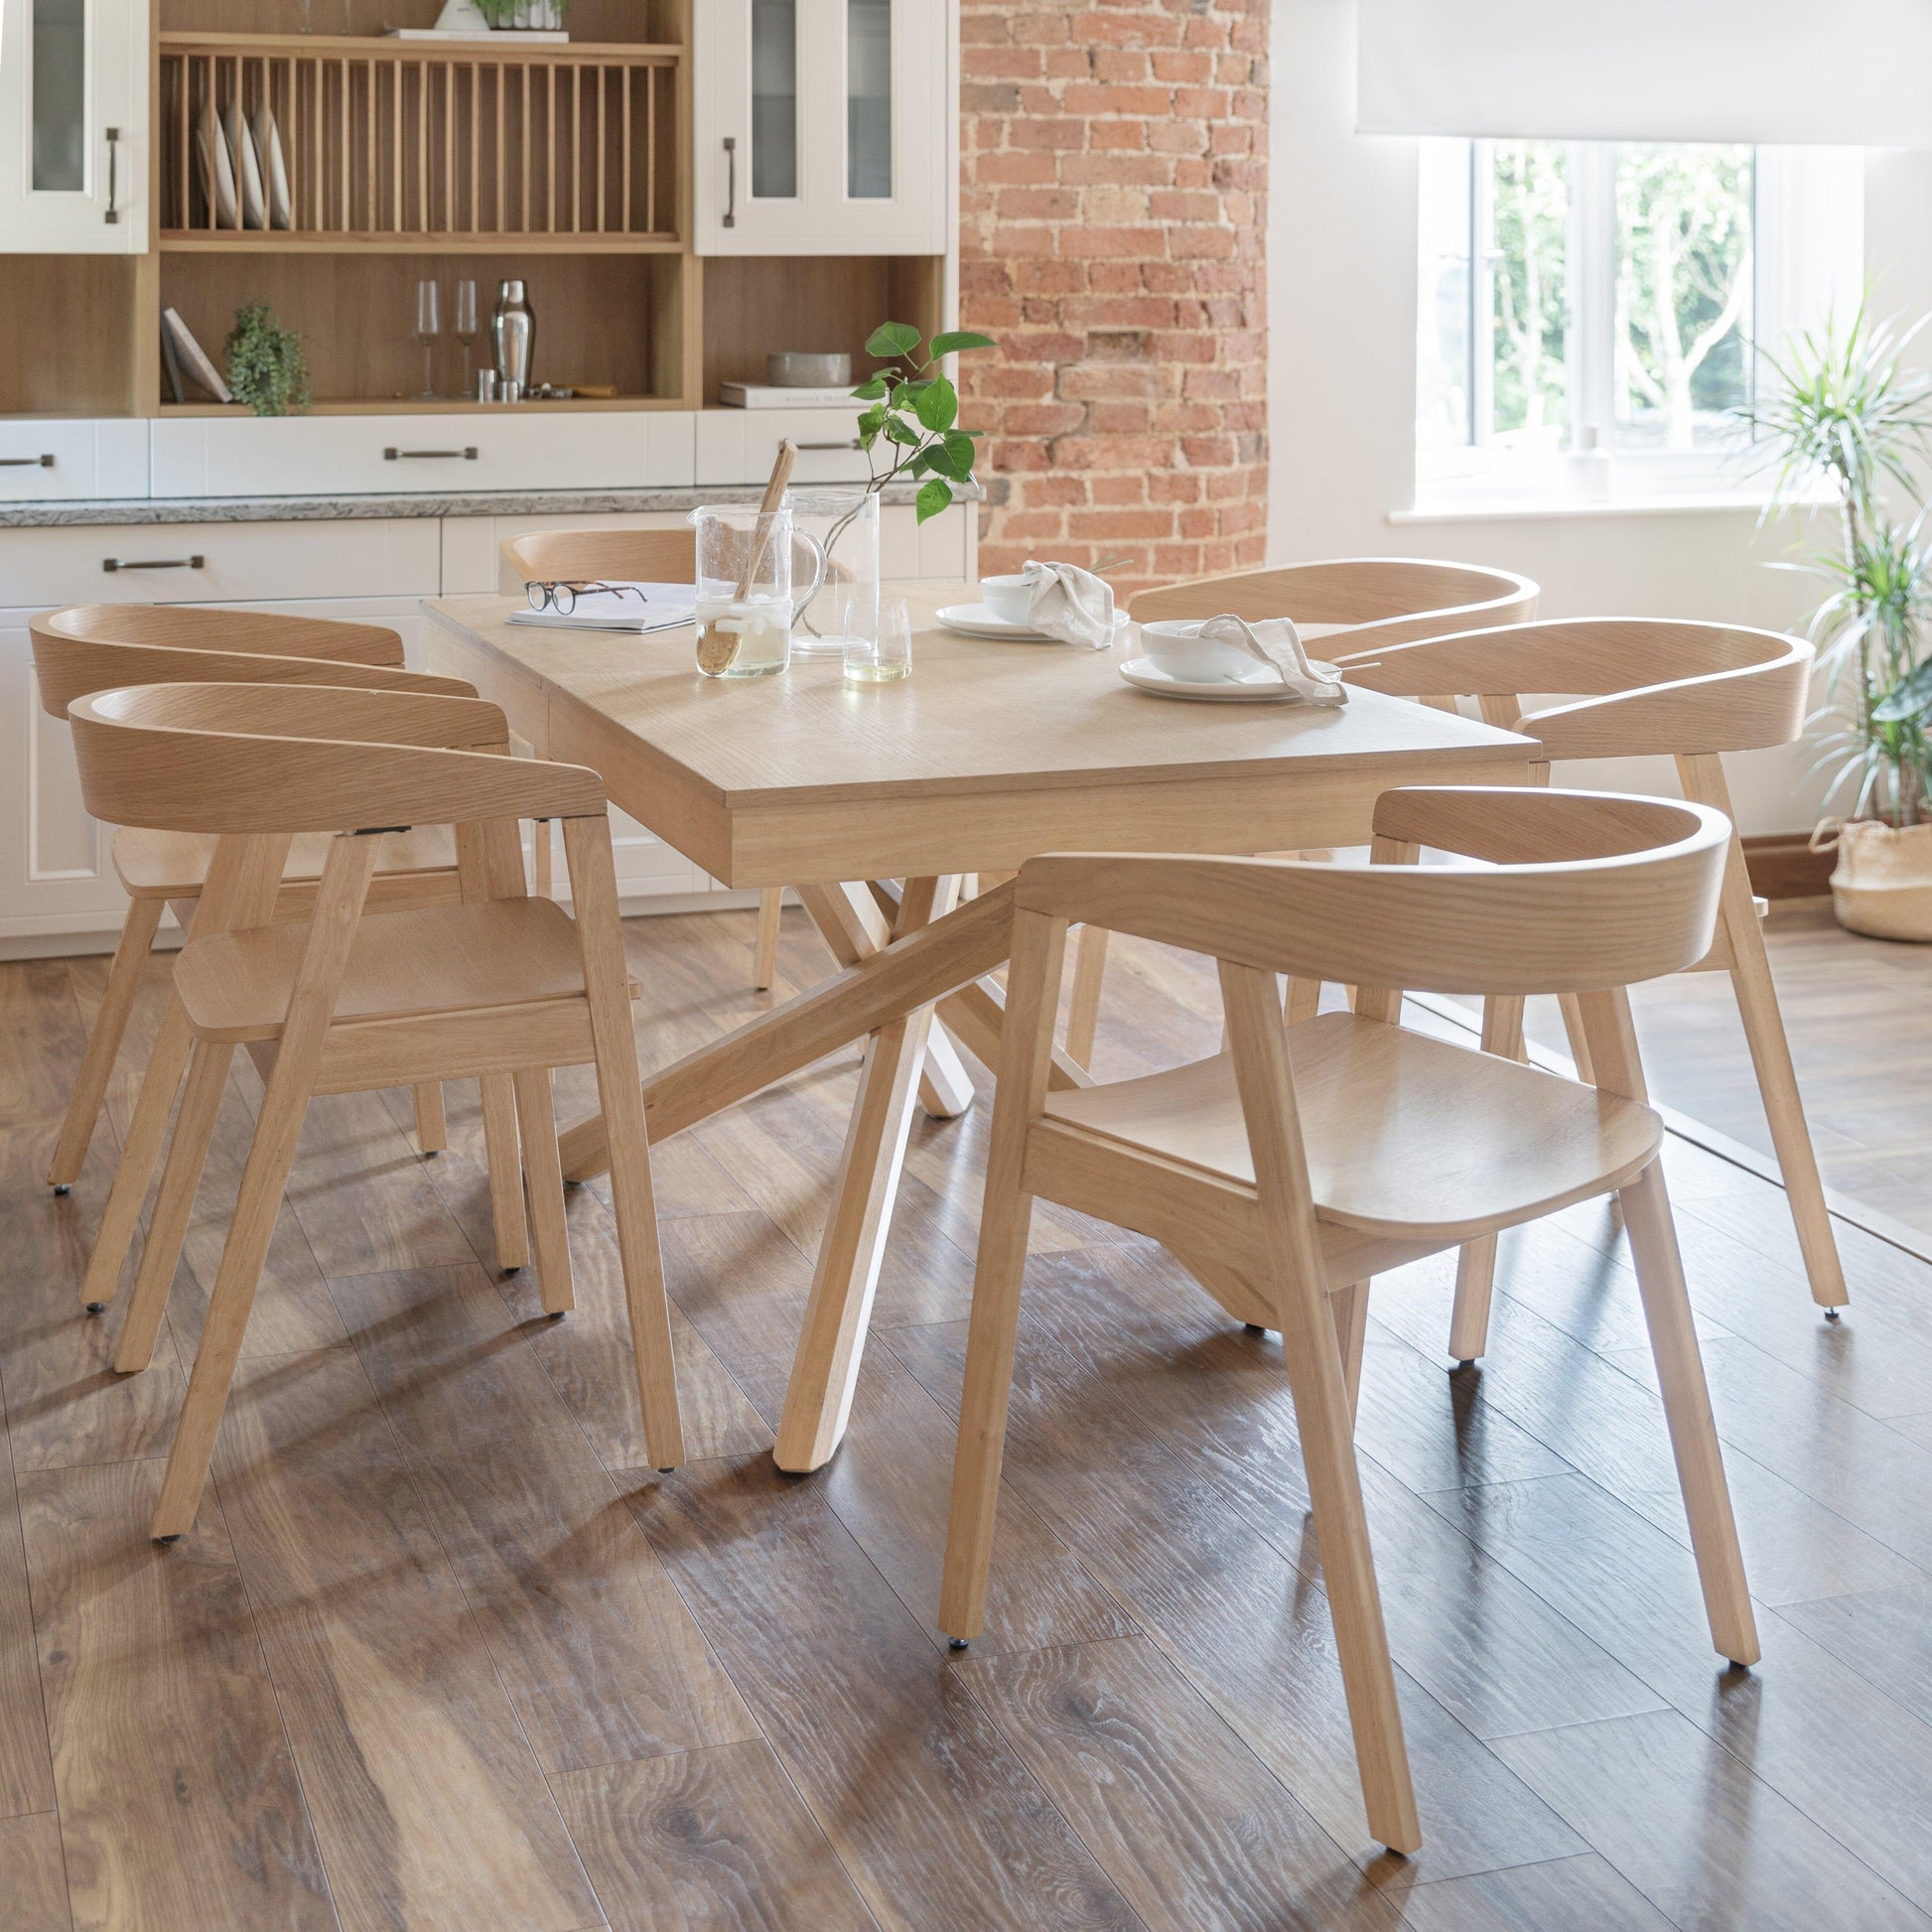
pixel 543 859
pixel 506 1175
pixel 1325 1418
pixel 1572 1028
pixel 764 965
pixel 543 1173
pixel 1687 1410
pixel 139 1152
pixel 1350 1308
pixel 1083 1002
pixel 200 1102
pixel 432 1128
pixel 270 1156
pixel 1777 1086
pixel 1475 1265
pixel 104 1041
pixel 1304 1000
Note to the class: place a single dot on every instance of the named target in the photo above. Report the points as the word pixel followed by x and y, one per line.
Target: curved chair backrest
pixel 622 556
pixel 1380 600
pixel 1647 684
pixel 237 633
pixel 269 759
pixel 1577 892
pixel 69 665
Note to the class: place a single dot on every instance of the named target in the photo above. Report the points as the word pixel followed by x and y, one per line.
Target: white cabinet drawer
pixel 737 446
pixel 70 458
pixel 252 562
pixel 501 449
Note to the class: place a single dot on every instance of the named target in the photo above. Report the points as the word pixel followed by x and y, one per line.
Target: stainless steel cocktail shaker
pixel 512 336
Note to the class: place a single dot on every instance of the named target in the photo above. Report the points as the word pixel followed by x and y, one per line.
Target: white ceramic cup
pixel 1181 650
pixel 1008 598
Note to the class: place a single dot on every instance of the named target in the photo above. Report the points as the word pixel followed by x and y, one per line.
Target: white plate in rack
pixel 1262 685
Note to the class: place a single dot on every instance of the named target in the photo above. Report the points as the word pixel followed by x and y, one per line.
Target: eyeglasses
pixel 562 598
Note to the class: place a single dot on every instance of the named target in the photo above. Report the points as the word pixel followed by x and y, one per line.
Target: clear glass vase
pixel 845 524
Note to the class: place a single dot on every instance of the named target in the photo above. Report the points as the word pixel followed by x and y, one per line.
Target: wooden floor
pixel 443 1653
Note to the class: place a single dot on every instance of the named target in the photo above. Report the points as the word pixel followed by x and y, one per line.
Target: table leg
pixel 826 1367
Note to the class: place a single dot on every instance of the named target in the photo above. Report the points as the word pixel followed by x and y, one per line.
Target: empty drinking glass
pixel 889 656
pixel 465 329
pixel 429 326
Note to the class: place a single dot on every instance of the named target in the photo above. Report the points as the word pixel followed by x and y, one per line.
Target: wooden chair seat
pixel 1407 1136
pixel 174 865
pixel 471 958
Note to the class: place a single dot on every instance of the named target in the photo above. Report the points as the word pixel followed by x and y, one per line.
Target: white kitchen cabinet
pixel 73 127
pixel 820 126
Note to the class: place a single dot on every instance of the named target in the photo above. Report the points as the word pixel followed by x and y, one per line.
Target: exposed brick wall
pixel 1113 213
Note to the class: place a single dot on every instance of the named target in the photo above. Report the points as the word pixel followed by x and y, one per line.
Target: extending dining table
pixel 874 801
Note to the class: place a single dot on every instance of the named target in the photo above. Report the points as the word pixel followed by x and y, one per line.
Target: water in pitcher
pixel 759 628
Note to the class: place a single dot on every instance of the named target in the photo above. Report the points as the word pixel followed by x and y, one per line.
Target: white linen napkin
pixel 1070 603
pixel 1275 641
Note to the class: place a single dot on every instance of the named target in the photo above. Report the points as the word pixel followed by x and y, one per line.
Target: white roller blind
pixel 1846 73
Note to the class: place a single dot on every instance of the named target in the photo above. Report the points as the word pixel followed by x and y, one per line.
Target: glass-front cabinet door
pixel 74 126
pixel 822 127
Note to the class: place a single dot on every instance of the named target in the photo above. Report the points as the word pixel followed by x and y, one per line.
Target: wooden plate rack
pixel 406 144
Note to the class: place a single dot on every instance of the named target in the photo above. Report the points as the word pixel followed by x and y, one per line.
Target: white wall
pixel 1341 251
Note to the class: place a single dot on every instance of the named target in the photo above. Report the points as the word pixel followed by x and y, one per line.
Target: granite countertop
pixel 299 509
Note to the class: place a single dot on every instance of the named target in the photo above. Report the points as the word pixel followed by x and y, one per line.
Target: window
pixel 1608 296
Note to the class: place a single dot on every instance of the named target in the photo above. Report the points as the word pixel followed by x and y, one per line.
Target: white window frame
pixel 1809 229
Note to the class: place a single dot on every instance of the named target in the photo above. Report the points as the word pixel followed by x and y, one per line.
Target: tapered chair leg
pixel 594 888
pixel 432 1126
pixel 1349 1308
pixel 1325 1418
pixel 1687 1410
pixel 1302 1001
pixel 764 963
pixel 1573 1029
pixel 200 1102
pixel 104 1041
pixel 505 1177
pixel 1476 1264
pixel 139 1152
pixel 1083 1002
pixel 544 1176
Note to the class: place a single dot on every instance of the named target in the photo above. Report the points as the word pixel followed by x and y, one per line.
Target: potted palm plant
pixel 1844 410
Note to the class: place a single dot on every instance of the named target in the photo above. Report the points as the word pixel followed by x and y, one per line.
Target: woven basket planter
pixel 1882 884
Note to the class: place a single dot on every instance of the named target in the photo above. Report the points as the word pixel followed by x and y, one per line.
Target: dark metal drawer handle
pixel 730 182
pixel 421 456
pixel 42 461
pixel 855 444
pixel 113 213
pixel 154 563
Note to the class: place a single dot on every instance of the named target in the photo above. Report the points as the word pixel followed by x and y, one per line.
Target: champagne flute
pixel 429 326
pixel 466 329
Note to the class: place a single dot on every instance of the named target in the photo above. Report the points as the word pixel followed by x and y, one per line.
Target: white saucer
pixel 1261 685
pixel 976 620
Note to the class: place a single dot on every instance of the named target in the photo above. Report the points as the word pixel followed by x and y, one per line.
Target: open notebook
pixel 658 608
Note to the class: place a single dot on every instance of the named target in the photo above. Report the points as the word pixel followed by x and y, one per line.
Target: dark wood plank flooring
pixel 443 1652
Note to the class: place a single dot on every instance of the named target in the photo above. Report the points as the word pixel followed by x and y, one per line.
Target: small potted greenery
pixel 546 15
pixel 267 368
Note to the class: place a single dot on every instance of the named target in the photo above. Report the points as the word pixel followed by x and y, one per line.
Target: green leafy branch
pixel 913 417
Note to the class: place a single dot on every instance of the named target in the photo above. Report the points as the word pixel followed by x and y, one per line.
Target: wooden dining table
pixel 874 801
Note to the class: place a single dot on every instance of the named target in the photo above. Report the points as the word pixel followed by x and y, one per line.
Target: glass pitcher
pixel 846 605
pixel 744 596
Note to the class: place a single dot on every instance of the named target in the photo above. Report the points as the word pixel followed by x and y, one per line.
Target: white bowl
pixel 1008 598
pixel 1180 650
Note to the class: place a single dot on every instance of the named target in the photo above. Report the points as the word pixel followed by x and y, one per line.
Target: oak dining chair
pixel 96 647
pixel 351 1000
pixel 1640 687
pixel 1300 1161
pixel 1374 599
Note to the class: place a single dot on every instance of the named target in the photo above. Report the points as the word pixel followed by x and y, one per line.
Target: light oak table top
pixel 988 754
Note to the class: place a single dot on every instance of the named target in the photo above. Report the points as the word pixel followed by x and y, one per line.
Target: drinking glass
pixel 744 590
pixel 465 329
pixel 429 326
pixel 889 656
